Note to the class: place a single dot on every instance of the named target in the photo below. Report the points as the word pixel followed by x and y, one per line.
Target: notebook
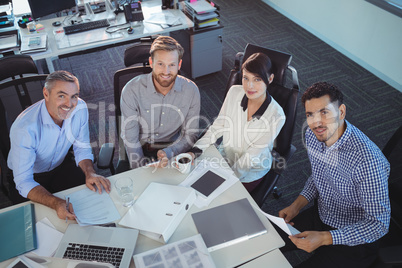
pixel 90 240
pixel 228 224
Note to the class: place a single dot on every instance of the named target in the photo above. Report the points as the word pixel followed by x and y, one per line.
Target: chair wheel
pixel 276 193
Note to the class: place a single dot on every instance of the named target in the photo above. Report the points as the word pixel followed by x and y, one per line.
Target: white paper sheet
pixel 93 208
pixel 280 222
pixel 48 238
pixel 200 170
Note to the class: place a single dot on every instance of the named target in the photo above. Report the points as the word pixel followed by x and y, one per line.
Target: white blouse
pixel 246 145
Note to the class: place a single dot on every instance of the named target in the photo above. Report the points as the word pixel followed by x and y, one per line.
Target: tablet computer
pixel 207 183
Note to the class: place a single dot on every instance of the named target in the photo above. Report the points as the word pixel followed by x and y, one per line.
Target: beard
pixel 164 82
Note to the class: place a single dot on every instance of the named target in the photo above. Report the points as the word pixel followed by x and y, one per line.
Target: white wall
pixel 367 34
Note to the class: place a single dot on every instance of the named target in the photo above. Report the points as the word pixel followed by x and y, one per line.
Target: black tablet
pixel 207 183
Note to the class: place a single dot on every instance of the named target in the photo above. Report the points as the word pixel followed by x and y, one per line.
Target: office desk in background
pixel 230 256
pixel 60 44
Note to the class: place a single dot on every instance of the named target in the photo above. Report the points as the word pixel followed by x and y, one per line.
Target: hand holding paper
pixel 280 222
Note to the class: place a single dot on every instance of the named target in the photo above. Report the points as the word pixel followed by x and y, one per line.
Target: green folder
pixel 17 232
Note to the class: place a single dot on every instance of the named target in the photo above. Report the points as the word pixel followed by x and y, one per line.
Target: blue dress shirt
pixel 350 182
pixel 39 145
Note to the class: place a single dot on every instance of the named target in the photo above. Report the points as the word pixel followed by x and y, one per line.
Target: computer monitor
pixel 40 8
pixel 4 2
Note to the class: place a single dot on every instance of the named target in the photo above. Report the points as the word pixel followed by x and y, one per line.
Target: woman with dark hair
pixel 249 121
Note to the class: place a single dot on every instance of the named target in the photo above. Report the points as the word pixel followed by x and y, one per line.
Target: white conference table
pixel 60 44
pixel 230 256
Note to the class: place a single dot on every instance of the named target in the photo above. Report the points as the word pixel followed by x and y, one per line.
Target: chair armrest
pixel 238 60
pixel 106 156
pixel 295 79
pixel 391 255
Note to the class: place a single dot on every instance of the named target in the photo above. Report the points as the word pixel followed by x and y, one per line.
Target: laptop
pixel 112 245
pixel 228 224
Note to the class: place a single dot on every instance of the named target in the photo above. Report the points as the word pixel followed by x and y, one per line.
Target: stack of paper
pixel 92 208
pixel 202 12
pixel 189 252
pixel 33 43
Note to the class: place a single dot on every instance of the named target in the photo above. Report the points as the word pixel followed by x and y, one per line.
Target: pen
pixel 67 205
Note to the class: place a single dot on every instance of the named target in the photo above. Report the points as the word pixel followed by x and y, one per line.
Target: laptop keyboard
pixel 94 253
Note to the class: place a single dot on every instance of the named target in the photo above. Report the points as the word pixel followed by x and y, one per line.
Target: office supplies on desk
pixel 93 208
pixel 188 252
pixel 114 245
pixel 159 210
pixel 228 224
pixel 17 232
pixel 33 43
pixel 133 12
pixel 86 26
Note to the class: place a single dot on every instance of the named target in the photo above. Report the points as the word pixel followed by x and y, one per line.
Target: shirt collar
pixel 46 118
pixel 261 110
pixel 176 87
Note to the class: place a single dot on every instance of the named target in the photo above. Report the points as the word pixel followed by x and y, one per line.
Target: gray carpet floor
pixel 372 105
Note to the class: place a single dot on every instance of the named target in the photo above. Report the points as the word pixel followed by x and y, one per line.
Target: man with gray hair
pixel 41 138
pixel 160 110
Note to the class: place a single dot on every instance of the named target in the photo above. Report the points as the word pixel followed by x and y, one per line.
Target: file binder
pixel 17 232
pixel 159 210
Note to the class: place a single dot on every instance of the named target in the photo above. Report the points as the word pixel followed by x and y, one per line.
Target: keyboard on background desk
pixel 86 26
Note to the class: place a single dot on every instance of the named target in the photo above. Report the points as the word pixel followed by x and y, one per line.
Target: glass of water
pixel 124 187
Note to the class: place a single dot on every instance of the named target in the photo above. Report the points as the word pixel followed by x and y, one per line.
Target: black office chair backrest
pixel 286 97
pixel 15 96
pixel 280 61
pixel 137 54
pixel 121 77
pixel 16 65
pixel 20 93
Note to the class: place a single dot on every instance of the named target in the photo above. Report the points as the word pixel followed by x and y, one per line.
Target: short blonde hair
pixel 166 43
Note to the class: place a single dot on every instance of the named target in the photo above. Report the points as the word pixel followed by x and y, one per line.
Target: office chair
pixel 389 254
pixel 15 96
pixel 121 77
pixel 137 54
pixel 17 65
pixel 287 97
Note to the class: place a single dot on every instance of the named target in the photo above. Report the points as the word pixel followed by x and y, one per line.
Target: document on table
pixel 48 238
pixel 92 208
pixel 280 222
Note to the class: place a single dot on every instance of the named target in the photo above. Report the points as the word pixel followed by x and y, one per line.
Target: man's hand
pixel 311 240
pixel 162 157
pixel 293 210
pixel 62 211
pixel 40 195
pixel 92 179
pixel 289 213
pixel 98 180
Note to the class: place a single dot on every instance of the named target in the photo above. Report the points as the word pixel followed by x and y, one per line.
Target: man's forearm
pixel 300 202
pixel 87 167
pixel 40 195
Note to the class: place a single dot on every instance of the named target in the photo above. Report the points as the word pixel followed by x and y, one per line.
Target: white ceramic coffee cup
pixel 182 163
